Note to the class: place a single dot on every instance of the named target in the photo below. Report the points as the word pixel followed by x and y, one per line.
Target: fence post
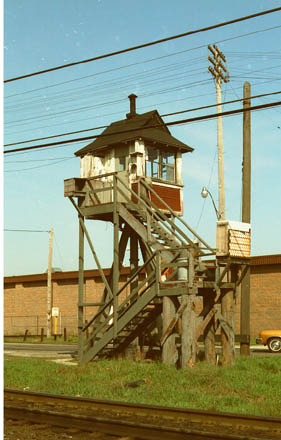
pixel 25 335
pixel 42 334
pixel 64 334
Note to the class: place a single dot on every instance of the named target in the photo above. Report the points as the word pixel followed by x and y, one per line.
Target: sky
pixel 169 77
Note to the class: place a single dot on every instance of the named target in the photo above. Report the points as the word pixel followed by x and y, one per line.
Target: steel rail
pixel 136 419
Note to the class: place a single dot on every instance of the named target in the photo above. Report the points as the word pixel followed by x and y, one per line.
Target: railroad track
pixel 134 420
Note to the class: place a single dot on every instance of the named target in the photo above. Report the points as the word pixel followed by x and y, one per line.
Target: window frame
pixel 160 164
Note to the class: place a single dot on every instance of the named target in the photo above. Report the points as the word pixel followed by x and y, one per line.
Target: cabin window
pixel 167 166
pixel 122 163
pixel 152 163
pixel 160 164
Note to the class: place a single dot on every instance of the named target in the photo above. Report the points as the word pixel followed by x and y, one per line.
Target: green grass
pixel 251 386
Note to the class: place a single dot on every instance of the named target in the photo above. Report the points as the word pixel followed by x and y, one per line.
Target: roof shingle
pixel 148 126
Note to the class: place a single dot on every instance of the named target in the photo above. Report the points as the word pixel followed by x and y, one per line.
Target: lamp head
pixel 204 192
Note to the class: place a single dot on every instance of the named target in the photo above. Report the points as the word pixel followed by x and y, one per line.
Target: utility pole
pixel 246 215
pixel 49 285
pixel 220 73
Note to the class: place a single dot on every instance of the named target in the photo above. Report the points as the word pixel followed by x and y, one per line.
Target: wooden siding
pixel 170 195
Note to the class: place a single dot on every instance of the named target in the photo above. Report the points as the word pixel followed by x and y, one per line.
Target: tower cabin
pixel 138 147
pixel 131 175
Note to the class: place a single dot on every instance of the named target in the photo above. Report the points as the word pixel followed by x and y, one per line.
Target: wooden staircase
pixel 119 321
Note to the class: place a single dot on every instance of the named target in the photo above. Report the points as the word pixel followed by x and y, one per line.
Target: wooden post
pixel 227 325
pixel 169 350
pixel 64 334
pixel 209 332
pixel 25 335
pixel 80 286
pixel 188 338
pixel 246 217
pixel 42 334
pixel 133 258
pixel 115 257
pixel 133 268
pixel 49 285
pixel 227 332
pixel 188 344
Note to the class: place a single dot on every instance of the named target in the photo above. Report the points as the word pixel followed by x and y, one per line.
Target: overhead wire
pixel 164 91
pixel 254 84
pixel 160 92
pixel 77 110
pixel 173 123
pixel 49 116
pixel 145 95
pixel 151 43
pixel 153 59
pixel 39 166
pixel 103 89
pixel 162 115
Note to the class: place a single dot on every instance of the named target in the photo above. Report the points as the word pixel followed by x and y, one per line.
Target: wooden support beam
pixel 146 254
pixel 246 214
pixel 227 322
pixel 209 331
pixel 115 258
pixel 80 286
pixel 134 263
pixel 169 349
pixel 172 324
pixel 188 339
pixel 134 259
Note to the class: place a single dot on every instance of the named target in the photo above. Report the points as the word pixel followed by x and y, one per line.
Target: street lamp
pixel 204 194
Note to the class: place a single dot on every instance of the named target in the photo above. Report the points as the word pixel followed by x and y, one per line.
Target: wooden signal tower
pixel 131 176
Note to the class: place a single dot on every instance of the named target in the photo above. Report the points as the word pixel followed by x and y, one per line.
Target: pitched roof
pixel 148 126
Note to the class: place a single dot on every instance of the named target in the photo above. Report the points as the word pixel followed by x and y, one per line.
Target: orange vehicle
pixel 271 338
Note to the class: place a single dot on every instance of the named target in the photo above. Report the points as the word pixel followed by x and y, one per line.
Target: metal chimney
pixel 132 99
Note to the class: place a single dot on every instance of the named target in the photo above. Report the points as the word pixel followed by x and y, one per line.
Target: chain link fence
pixel 18 325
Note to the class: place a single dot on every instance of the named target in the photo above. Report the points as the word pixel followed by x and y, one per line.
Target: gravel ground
pixel 18 430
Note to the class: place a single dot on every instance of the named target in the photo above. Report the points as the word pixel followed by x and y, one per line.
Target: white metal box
pixel 233 239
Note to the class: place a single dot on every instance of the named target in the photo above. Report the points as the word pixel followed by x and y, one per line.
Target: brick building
pixel 25 298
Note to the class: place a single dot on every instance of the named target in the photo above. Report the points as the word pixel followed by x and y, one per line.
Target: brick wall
pixel 25 298
pixel 265 294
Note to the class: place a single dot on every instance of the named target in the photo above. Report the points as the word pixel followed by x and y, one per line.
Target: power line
pixel 141 46
pixel 37 160
pixel 60 94
pixel 182 121
pixel 39 166
pixel 162 116
pixel 145 61
pixel 23 230
pixel 45 116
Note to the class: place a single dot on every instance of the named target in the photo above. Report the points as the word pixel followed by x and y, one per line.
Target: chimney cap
pixel 132 97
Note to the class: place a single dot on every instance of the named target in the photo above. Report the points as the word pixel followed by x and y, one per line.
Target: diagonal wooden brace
pixel 201 327
pixel 224 324
pixel 172 324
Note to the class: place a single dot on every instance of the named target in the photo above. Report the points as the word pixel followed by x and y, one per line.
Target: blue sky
pixel 169 77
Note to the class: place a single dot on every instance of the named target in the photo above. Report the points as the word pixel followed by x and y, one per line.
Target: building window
pixel 122 163
pixel 160 164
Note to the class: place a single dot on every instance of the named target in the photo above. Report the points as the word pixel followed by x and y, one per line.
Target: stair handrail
pixel 155 212
pixel 164 217
pixel 109 303
pixel 135 274
pixel 150 279
pixel 175 215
